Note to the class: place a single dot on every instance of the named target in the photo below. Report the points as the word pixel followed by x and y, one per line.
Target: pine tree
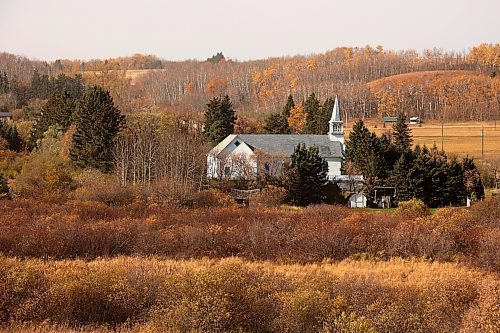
pixel 305 176
pixel 4 188
pixel 219 119
pixel 290 104
pixel 277 123
pixel 401 135
pixel 311 109
pixel 97 123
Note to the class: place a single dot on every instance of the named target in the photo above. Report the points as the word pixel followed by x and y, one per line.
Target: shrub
pixel 269 196
pixel 412 208
pixel 213 198
pixel 43 174
pixel 94 185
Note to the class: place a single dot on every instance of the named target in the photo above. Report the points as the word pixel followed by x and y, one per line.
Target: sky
pixel 242 30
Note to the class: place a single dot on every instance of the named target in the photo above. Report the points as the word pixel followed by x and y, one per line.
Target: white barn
pixel 242 156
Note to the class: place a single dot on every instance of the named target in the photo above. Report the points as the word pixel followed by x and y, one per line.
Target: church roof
pixel 336 114
pixel 284 143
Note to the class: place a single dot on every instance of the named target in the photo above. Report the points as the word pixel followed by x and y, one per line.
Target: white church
pixel 225 159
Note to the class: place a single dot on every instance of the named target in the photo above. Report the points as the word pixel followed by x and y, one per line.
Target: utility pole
pixel 482 145
pixel 442 135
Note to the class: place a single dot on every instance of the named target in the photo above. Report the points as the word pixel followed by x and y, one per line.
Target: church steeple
pixel 336 132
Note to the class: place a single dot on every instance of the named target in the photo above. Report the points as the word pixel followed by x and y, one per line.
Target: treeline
pixel 260 87
pixel 444 95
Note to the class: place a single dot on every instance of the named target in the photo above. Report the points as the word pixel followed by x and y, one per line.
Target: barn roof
pixel 284 143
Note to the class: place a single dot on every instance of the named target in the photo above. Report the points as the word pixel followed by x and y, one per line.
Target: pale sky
pixel 242 30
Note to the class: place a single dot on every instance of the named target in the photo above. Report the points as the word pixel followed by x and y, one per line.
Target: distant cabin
pixel 243 156
pixel 5 116
pixel 390 119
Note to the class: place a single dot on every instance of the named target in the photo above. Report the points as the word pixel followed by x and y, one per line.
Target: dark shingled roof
pixel 284 143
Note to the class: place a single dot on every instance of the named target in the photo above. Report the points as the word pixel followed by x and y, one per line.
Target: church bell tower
pixel 336 132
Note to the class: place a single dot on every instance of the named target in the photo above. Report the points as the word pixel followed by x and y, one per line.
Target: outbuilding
pixel 357 201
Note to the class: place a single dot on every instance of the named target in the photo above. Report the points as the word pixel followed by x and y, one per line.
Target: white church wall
pixel 334 165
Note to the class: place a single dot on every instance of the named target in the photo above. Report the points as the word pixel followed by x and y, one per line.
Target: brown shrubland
pixel 91 229
pixel 233 295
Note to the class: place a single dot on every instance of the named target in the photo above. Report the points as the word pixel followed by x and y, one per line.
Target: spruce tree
pixel 97 123
pixel 311 109
pixel 400 179
pixel 277 123
pixel 219 119
pixel 10 134
pixel 290 104
pixel 401 135
pixel 305 176
pixel 4 188
pixel 456 193
pixel 323 117
pixel 57 111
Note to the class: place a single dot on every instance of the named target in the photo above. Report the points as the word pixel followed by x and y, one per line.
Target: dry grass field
pixel 460 139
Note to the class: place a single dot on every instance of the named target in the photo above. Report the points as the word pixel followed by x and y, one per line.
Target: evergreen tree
pixel 57 111
pixel 401 135
pixel 400 178
pixel 311 108
pixel 323 117
pixel 97 123
pixel 456 193
pixel 219 119
pixel 277 123
pixel 290 104
pixel 40 86
pixel 363 151
pixel 10 134
pixel 305 176
pixel 4 188
pixel 390 152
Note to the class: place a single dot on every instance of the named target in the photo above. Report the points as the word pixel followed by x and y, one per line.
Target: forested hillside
pixel 456 86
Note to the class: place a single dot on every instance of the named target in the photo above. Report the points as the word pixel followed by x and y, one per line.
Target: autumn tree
pixel 305 176
pixel 297 119
pixel 97 123
pixel 472 179
pixel 219 119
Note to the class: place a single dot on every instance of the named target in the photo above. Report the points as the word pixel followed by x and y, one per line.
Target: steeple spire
pixel 336 132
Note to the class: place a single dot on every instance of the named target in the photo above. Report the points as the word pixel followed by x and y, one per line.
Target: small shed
pixel 357 201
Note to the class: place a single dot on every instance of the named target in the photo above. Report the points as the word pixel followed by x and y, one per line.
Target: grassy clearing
pixel 460 139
